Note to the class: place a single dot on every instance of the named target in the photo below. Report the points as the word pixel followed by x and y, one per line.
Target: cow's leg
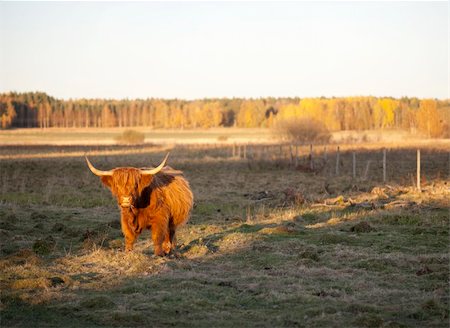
pixel 128 232
pixel 166 245
pixel 170 240
pixel 173 238
pixel 174 241
pixel 159 235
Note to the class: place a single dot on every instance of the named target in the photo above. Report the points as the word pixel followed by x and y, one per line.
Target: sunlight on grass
pixel 81 154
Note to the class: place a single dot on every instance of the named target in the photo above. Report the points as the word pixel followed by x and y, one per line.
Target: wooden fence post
pixel 418 171
pixel 366 171
pixel 291 155
pixel 311 162
pixel 337 161
pixel 354 164
pixel 384 165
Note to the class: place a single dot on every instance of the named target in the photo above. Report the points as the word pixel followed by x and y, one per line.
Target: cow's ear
pixel 107 180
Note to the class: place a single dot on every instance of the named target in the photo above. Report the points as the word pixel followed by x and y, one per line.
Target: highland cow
pixel 158 198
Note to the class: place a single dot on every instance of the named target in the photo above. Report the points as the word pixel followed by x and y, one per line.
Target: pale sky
pixel 225 49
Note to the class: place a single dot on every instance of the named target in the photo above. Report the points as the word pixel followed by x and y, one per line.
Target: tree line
pixel 37 109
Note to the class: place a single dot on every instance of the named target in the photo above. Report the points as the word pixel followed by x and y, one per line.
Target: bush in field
pixel 303 130
pixel 222 138
pixel 130 137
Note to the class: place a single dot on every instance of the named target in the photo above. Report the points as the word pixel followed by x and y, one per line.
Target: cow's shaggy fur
pixel 160 202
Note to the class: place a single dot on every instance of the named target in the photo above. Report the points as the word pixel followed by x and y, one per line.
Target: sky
pixel 192 50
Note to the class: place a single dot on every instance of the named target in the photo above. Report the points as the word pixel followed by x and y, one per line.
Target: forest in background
pixel 429 117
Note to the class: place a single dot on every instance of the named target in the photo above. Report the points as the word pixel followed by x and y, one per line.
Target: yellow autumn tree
pixel 251 114
pixel 388 107
pixel 428 119
pixel 313 108
pixel 377 115
pixel 288 111
pixel 329 118
pixel 108 118
pixel 7 113
pixel 193 110
pixel 160 114
pixel 210 115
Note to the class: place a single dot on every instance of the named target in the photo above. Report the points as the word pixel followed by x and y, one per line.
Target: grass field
pixel 107 136
pixel 267 245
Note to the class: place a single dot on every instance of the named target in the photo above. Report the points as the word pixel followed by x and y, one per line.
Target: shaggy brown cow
pixel 157 198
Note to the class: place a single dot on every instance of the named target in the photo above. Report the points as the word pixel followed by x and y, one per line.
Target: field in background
pixel 270 242
pixel 107 136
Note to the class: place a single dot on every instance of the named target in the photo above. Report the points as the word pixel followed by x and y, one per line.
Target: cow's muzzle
pixel 126 201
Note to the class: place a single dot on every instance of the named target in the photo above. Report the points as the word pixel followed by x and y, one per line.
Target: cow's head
pixel 127 183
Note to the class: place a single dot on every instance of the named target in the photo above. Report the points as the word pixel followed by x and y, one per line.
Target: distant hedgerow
pixel 303 130
pixel 130 137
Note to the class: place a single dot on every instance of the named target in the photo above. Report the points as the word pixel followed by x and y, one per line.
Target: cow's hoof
pixel 159 254
pixel 167 247
pixel 174 255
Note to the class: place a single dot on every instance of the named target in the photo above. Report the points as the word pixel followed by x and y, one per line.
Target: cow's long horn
pixel 156 169
pixel 96 171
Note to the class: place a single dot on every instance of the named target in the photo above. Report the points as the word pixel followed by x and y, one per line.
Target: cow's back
pixel 177 194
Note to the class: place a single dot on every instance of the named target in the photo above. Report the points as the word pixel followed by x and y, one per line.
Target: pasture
pixel 268 245
pixel 107 136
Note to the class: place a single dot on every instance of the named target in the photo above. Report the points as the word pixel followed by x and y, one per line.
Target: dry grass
pixel 267 245
pixel 108 136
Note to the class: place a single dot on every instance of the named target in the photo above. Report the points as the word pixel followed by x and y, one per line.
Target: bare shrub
pixel 303 130
pixel 130 137
pixel 222 138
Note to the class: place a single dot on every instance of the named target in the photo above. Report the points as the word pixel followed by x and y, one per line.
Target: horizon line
pixel 218 97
